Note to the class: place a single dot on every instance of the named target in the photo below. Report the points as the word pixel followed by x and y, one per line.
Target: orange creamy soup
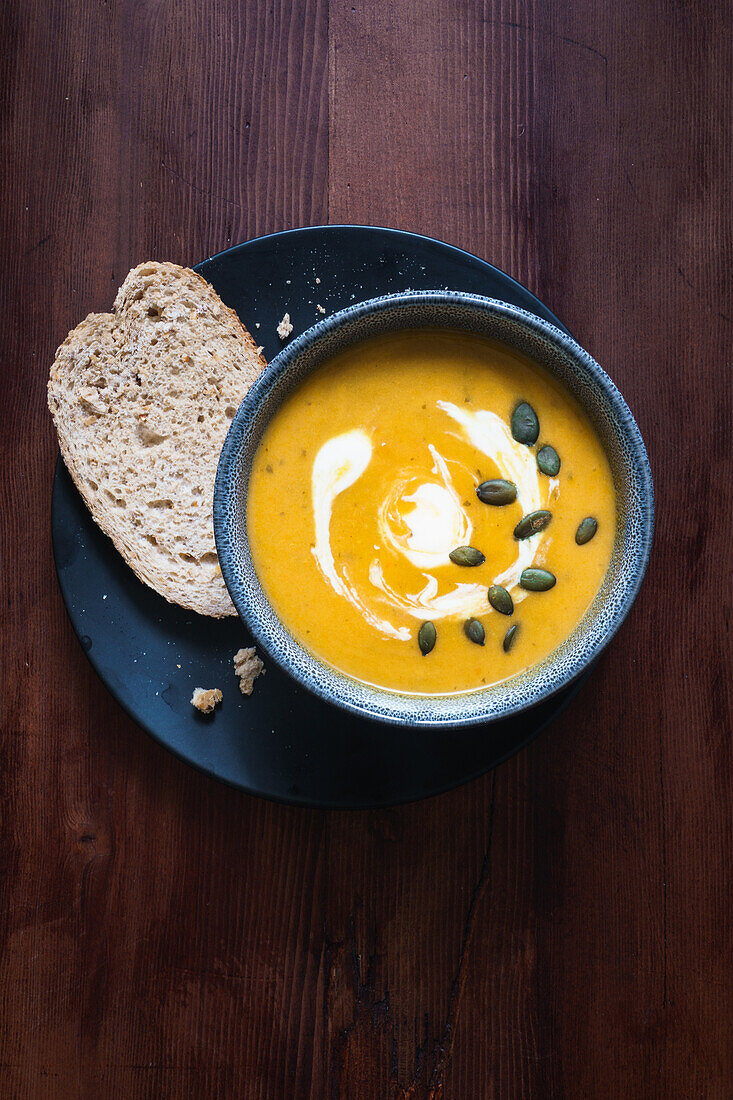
pixel 407 527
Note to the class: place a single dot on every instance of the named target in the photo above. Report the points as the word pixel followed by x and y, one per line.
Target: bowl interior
pixel 537 340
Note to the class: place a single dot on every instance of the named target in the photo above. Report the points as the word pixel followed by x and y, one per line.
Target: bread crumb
pixel 257 324
pixel 320 309
pixel 285 327
pixel 247 666
pixel 317 279
pixel 205 699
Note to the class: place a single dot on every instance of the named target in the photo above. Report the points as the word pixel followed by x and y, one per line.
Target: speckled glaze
pixel 538 340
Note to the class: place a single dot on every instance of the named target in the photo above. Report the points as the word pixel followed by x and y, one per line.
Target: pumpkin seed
pixel 475 631
pixel 586 530
pixel 497 491
pixel 532 523
pixel 426 637
pixel 525 425
pixel 501 600
pixel 466 555
pixel 548 460
pixel 510 637
pixel 537 580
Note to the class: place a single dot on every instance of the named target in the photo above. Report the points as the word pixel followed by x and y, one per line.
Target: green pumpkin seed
pixel 525 425
pixel 500 600
pixel 498 491
pixel 548 460
pixel 530 524
pixel 510 637
pixel 586 530
pixel 426 637
pixel 537 580
pixel 475 631
pixel 466 555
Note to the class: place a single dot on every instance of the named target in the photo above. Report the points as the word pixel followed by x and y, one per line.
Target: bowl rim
pixel 359 697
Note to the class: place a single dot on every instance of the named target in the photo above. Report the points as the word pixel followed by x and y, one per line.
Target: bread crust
pixel 142 399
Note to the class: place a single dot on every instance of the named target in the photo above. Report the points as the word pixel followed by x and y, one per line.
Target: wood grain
pixel 559 928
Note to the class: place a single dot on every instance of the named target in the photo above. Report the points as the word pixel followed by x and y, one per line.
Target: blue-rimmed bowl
pixel 579 374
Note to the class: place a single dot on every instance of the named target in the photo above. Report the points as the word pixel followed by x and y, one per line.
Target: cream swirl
pixel 422 519
pixel 436 523
pixel 338 464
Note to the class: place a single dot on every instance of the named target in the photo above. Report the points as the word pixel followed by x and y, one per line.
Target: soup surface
pixel 366 480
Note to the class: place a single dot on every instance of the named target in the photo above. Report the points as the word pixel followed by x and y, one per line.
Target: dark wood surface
pixel 559 928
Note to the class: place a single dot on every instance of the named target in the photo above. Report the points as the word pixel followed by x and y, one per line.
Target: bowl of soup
pixel 433 509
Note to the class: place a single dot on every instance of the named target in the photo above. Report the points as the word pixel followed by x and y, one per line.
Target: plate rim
pixel 391 230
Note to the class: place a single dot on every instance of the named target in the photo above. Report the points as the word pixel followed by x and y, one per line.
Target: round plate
pixel 281 742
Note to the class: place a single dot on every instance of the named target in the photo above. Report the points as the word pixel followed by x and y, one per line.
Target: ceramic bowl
pixel 580 375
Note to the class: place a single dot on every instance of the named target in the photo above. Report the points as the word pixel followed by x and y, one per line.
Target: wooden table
pixel 559 928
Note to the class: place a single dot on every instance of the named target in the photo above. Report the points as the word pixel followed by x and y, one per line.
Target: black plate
pixel 281 742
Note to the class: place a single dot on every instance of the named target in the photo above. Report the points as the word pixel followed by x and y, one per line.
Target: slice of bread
pixel 142 399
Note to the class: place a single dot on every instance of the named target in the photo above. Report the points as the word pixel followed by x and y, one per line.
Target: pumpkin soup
pixel 430 512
